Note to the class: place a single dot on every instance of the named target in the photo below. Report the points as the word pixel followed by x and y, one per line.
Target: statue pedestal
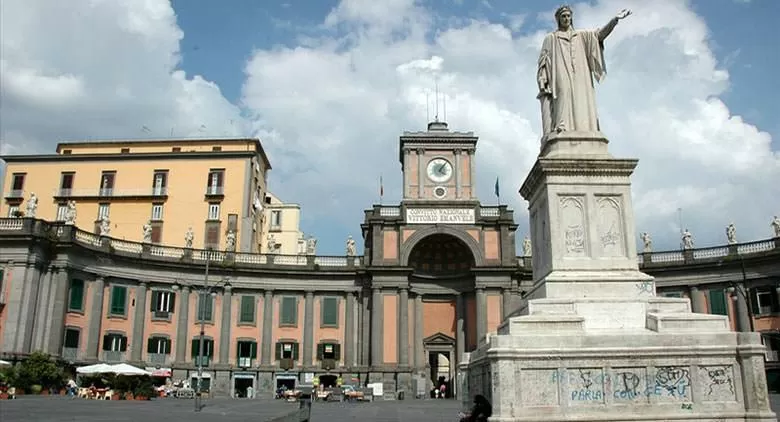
pixel 593 342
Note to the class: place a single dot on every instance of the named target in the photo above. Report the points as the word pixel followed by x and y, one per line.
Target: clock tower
pixel 438 165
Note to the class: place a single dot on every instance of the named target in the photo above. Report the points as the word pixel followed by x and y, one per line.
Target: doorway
pixel 328 381
pixel 243 386
pixel 441 371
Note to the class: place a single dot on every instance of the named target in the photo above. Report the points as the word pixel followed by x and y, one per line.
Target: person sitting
pixel 481 411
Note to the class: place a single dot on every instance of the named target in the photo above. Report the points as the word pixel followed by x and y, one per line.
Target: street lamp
pixel 203 294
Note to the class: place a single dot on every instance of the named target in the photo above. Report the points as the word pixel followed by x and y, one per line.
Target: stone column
pixel 743 316
pixel 95 319
pixel 419 349
pixel 56 334
pixel 308 329
pixel 182 324
pixel 472 175
pixel 41 311
pixel 403 327
pixel 32 280
pixel 268 319
pixel 407 154
pixel 481 314
pixel 365 345
pixel 420 172
pixel 349 330
pixel 460 332
pixel 224 334
pixel 697 300
pixel 506 303
pixel 136 348
pixel 376 327
pixel 458 176
pixel 777 291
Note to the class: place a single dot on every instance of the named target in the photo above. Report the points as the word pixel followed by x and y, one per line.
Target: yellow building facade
pixel 208 186
pixel 281 224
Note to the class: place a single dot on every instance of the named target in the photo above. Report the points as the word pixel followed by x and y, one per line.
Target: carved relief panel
pixel 572 214
pixel 610 226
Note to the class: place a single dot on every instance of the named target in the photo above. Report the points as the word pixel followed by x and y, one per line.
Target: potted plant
pixel 145 391
pixel 36 389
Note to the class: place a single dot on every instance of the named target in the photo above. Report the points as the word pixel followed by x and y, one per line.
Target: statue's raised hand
pixel 623 14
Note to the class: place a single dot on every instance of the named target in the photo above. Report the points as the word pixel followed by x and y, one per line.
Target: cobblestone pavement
pixel 58 409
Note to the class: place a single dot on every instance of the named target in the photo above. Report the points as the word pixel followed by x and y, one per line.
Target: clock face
pixel 439 170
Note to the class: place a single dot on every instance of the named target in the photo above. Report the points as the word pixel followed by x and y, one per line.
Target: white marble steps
pixel 686 322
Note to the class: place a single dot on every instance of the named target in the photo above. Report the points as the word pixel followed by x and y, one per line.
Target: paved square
pixel 58 409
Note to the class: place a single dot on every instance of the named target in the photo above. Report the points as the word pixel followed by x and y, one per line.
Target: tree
pixel 39 369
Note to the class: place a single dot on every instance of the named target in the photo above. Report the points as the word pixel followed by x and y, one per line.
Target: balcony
pixel 215 191
pixel 145 193
pixel 15 194
pixel 245 362
pixel 112 356
pixel 204 360
pixel 157 359
pixel 70 354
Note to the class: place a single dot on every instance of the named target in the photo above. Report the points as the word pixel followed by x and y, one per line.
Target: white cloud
pixel 99 69
pixel 336 110
pixel 330 110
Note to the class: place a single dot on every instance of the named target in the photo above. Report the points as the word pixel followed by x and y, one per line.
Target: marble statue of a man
pixel 271 245
pixel 687 239
pixel 527 246
pixel 148 232
pixel 311 246
pixel 776 226
pixel 189 236
pixel 70 214
pixel 32 205
pixel 230 241
pixel 350 246
pixel 105 226
pixel 648 242
pixel 569 60
pixel 731 234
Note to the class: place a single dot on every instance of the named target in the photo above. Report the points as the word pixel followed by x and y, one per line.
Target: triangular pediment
pixel 439 338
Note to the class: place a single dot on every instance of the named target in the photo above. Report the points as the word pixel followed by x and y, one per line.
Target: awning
pixel 159 372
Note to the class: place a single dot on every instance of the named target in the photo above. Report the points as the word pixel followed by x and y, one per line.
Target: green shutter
pixel 118 300
pixel 752 295
pixel 320 351
pixel 205 305
pixel 76 300
pixel 173 302
pixel 122 344
pixel 330 311
pixel 153 302
pixel 150 345
pixel 279 350
pixel 253 350
pixel 106 342
pixel 289 311
pixel 209 307
pixel 336 351
pixel 167 346
pixel 194 351
pixel 718 304
pixel 247 309
pixel 295 351
pixel 210 348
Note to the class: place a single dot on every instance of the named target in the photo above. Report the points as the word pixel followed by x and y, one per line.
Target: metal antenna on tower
pixel 444 104
pixel 427 107
pixel 436 85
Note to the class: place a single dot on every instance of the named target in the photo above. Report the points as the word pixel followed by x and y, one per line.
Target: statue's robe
pixel 567 65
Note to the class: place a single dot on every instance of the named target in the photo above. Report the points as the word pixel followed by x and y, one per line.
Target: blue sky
pixel 329 86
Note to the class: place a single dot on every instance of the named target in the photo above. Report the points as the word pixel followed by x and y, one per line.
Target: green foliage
pixel 8 376
pixel 145 387
pixel 39 369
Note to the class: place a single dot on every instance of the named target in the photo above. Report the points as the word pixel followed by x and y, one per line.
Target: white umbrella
pixel 4 362
pixel 125 369
pixel 98 368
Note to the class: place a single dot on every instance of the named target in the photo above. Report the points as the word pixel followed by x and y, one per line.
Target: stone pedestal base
pixel 555 364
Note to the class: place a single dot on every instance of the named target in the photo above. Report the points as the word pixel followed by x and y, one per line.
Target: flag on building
pixel 498 195
pixel 381 187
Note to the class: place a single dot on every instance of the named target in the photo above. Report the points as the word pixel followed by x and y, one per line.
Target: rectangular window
pixel 718 304
pixel 103 211
pixel 66 183
pixel 205 307
pixel 157 212
pixel 124 151
pixel 276 219
pixel 216 149
pixel 208 347
pixel 247 314
pixel 107 183
pixel 162 302
pixel 213 211
pixel 13 211
pixel 160 182
pixel 289 311
pixel 62 212
pixel 212 235
pixel 328 351
pixel 246 351
pixel 159 345
pixel 114 343
pixel 176 149
pixel 214 183
pixel 118 300
pixel 286 350
pixel 72 338
pixel 76 295
pixel 17 185
pixel 330 311
pixel 156 232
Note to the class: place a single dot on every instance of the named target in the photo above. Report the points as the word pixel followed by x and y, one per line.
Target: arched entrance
pixel 442 277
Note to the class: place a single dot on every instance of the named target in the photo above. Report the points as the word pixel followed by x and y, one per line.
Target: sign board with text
pixel 440 216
